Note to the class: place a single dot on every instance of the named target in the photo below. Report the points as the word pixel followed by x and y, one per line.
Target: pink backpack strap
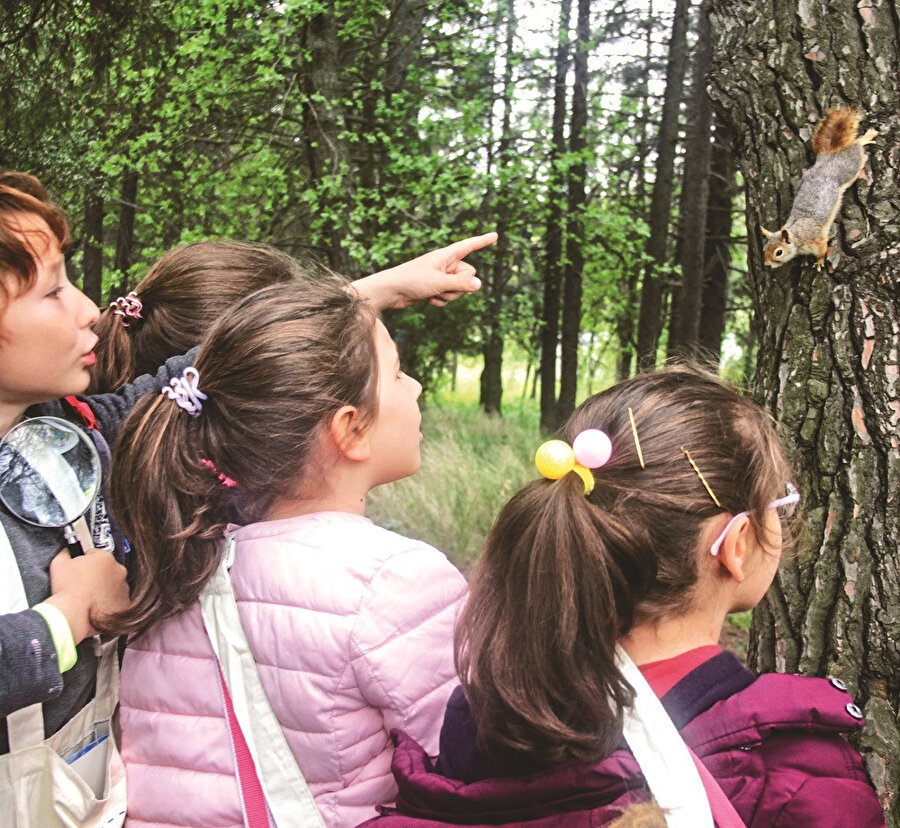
pixel 256 811
pixel 724 813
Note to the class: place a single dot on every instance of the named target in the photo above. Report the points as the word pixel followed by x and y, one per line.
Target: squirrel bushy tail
pixel 836 131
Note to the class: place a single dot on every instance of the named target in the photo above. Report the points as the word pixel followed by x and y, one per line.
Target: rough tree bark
pixel 828 360
pixel 661 199
pixel 571 310
pixel 555 226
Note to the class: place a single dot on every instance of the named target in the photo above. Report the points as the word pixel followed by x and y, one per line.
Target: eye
pixel 53 294
pixel 779 251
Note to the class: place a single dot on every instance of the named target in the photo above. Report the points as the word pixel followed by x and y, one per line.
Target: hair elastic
pixel 185 392
pixel 694 466
pixel 128 307
pixel 590 449
pixel 225 480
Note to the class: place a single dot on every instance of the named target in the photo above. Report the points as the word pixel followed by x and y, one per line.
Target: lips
pixel 89 358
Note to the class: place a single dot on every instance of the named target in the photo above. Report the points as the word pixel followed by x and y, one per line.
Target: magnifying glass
pixel 50 473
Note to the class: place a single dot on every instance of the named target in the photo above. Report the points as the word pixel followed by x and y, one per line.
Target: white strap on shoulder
pixel 287 794
pixel 25 726
pixel 662 754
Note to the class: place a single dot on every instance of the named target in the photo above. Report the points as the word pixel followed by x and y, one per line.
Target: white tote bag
pixel 76 777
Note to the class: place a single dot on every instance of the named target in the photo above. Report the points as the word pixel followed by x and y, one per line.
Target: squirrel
pixel 839 161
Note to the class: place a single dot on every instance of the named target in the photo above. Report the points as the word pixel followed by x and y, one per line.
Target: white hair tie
pixel 185 392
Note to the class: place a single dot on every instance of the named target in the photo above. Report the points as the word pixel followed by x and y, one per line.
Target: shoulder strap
pixel 724 813
pixel 662 754
pixel 82 409
pixel 288 796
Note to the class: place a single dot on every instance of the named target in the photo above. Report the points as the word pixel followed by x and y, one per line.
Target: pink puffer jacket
pixel 352 628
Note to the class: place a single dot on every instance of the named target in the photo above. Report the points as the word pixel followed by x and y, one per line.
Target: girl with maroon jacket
pixel 649 551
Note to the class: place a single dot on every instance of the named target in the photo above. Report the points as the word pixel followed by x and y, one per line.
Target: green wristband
pixel 61 633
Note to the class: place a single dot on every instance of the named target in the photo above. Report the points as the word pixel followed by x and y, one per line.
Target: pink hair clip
pixel 226 481
pixel 128 307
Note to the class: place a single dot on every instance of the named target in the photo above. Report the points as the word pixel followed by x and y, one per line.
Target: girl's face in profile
pixel 395 435
pixel 46 341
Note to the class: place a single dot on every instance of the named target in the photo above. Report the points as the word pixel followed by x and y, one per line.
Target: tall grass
pixel 471 464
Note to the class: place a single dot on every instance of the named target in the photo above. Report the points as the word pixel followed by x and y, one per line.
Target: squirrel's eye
pixel 779 251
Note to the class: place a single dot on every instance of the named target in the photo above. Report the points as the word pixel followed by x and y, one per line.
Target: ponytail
pixel 535 650
pixel 114 354
pixel 173 509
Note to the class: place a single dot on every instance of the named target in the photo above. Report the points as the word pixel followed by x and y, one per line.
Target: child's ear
pixel 736 548
pixel 349 434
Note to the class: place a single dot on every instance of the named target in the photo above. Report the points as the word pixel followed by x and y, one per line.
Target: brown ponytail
pixel 564 576
pixel 274 370
pixel 183 295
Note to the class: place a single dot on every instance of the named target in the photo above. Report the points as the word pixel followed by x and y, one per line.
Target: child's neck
pixel 335 491
pixel 10 414
pixel 658 640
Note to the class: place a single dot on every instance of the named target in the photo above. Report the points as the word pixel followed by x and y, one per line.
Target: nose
pixel 418 387
pixel 89 313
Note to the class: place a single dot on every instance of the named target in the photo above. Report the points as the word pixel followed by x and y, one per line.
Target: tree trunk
pixel 571 311
pixel 717 255
pixel 92 261
pixel 492 349
pixel 828 364
pixel 684 331
pixel 661 199
pixel 327 152
pixel 125 231
pixel 555 227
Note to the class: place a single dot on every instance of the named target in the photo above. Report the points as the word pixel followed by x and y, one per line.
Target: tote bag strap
pixel 256 811
pixel 25 727
pixel 288 796
pixel 662 754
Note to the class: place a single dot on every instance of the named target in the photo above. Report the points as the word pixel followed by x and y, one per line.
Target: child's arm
pixel 111 409
pixel 402 643
pixel 439 276
pixel 30 668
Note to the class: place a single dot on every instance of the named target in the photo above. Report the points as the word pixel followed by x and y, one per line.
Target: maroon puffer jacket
pixel 774 743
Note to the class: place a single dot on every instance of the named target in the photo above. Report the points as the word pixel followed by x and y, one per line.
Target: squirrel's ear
pixel 785 235
pixel 766 233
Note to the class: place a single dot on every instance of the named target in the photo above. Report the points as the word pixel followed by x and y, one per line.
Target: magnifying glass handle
pixel 72 543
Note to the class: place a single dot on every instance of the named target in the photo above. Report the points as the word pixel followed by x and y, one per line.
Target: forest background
pixel 626 152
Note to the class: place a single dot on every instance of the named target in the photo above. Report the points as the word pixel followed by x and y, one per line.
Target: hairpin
pixel 185 392
pixel 637 443
pixel 128 307
pixel 590 449
pixel 226 481
pixel 694 466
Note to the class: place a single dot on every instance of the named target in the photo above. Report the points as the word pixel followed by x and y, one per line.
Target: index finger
pixel 461 249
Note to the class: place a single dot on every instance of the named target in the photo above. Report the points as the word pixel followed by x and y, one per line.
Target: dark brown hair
pixel 274 371
pixel 183 295
pixel 22 194
pixel 564 576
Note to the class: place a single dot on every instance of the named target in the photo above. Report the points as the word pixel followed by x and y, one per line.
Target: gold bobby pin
pixel 637 443
pixel 712 494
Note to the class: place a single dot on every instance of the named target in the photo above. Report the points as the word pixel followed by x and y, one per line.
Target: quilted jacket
pixel 351 626
pixel 775 744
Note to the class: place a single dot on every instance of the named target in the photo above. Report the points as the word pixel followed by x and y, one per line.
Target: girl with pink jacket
pixel 295 409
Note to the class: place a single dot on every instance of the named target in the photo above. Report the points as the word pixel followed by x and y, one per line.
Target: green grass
pixel 471 465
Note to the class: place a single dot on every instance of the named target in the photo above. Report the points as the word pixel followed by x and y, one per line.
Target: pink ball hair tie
pixel 592 448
